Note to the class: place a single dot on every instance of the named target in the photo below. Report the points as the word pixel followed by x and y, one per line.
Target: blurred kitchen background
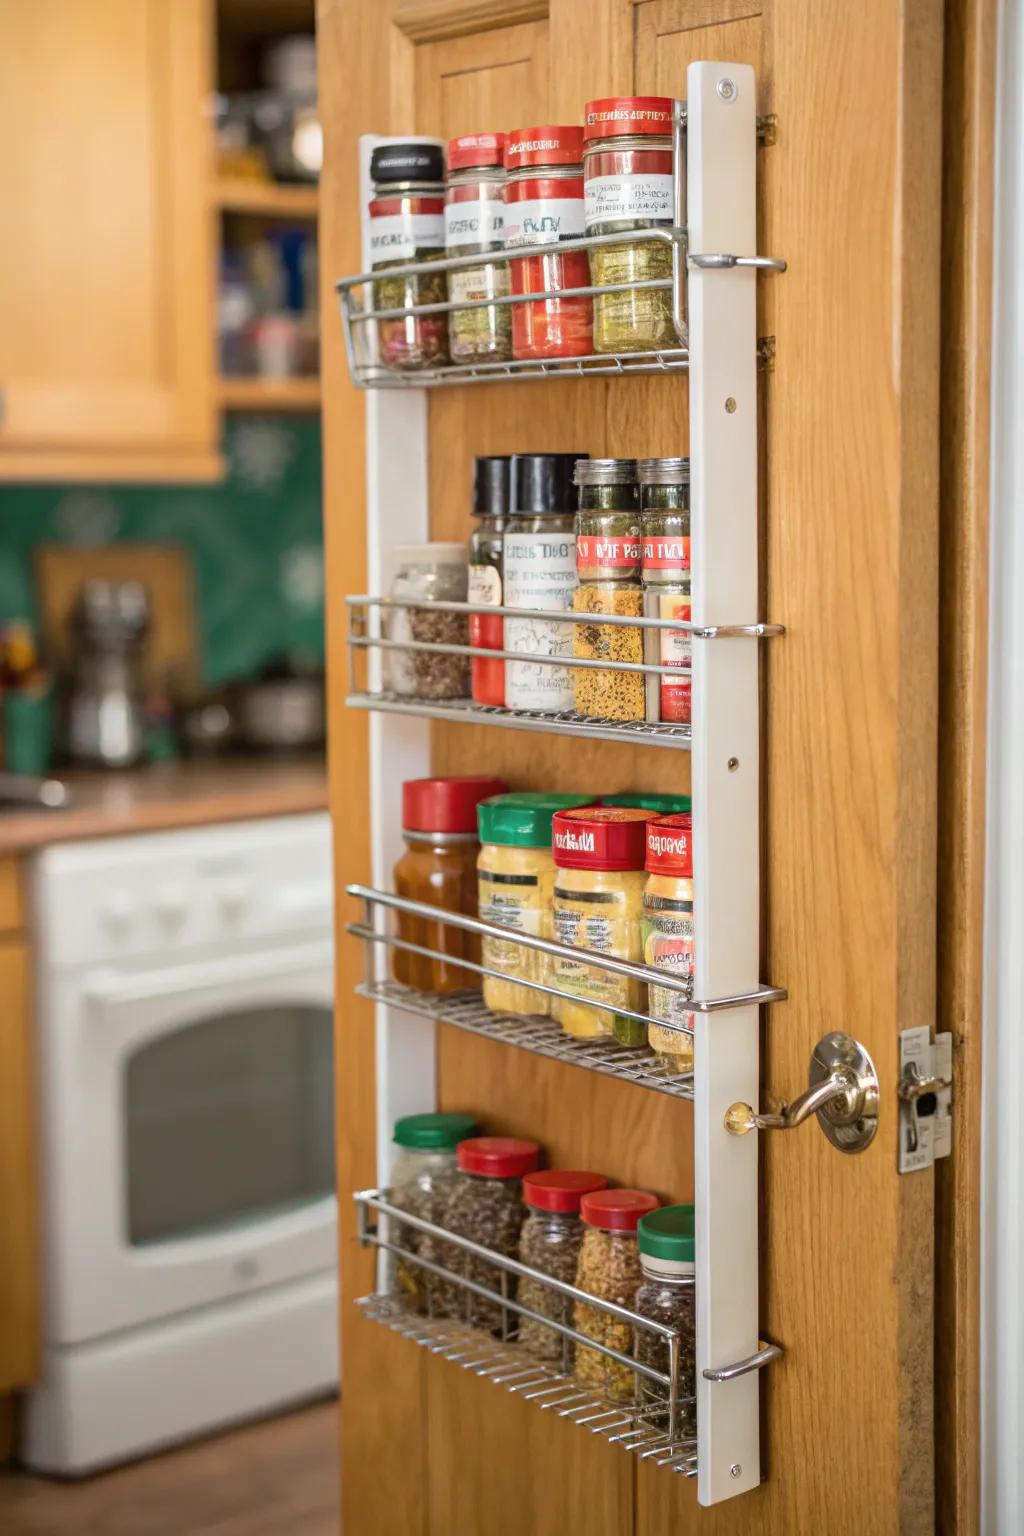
pixel 167 1209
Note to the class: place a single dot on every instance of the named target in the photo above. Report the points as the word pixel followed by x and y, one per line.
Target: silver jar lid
pixel 663 471
pixel 605 472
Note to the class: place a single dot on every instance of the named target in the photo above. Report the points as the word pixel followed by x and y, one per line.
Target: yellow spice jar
pixel 516 877
pixel 598 906
pixel 668 936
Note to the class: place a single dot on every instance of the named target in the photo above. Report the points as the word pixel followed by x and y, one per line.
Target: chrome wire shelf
pixel 467 1010
pixel 465 712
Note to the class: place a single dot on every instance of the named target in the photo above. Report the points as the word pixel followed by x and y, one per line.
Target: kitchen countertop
pixel 167 795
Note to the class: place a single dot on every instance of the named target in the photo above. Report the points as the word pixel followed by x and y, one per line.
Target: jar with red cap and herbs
pixel 628 185
pixel 665 515
pixel 551 1240
pixel 667 1295
pixel 486 1206
pixel 487 574
pixel 544 206
pixel 668 937
pixel 608 548
pixel 474 225
pixel 438 868
pixel 421 1181
pixel 407 225
pixel 609 1268
pixel 597 905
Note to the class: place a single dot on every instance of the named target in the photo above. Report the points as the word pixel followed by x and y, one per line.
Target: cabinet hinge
pixel 925 1092
pixel 767 126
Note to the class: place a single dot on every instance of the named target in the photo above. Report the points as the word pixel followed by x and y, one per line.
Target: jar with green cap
pixel 645 800
pixel 666 1295
pixel 421 1181
pixel 516 879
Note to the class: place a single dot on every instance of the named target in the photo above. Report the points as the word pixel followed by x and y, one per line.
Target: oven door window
pixel 228 1121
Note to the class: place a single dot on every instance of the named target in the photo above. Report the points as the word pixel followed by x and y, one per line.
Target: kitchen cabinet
pixel 106 334
pixel 19 1281
pixel 857 1426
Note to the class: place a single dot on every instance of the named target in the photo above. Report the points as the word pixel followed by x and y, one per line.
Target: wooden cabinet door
pixel 106 320
pixel 19 1277
pixel 849 193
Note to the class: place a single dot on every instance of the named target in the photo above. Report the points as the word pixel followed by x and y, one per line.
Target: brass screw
pixel 730 405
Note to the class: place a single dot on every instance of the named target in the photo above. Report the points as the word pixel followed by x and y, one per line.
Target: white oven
pixel 184 1006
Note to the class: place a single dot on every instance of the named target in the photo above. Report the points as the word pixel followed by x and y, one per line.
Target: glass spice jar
pixel 439 869
pixel 628 185
pixel 609 1268
pixel 667 1295
pixel 550 1241
pixel 486 1206
pixel 434 573
pixel 544 206
pixel 516 878
pixel 540 573
pixel 598 905
pixel 406 225
pixel 421 1180
pixel 668 937
pixel 665 512
pixel 486 575
pixel 608 550
pixel 474 225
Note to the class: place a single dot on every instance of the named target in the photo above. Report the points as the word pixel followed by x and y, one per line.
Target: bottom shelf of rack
pixel 507 1365
pixel 466 1010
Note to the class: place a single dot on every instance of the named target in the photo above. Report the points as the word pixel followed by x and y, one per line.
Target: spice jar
pixel 544 206
pixel 608 548
pixel 540 573
pixel 516 880
pixel 421 1181
pixel 474 225
pixel 485 1205
pixel 668 936
pixel 598 905
pixel 627 170
pixel 609 1268
pixel 490 508
pixel 666 1294
pixel 407 224
pixel 439 869
pixel 433 573
pixel 665 510
pixel 551 1239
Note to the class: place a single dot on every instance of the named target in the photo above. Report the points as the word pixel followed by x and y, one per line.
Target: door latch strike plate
pixel 925 1092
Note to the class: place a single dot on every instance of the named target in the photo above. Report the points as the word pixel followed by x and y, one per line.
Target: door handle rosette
pixel 842 1090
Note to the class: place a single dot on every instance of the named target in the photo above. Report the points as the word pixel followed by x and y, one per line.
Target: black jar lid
pixel 490 485
pixel 543 483
pixel 605 472
pixel 392 163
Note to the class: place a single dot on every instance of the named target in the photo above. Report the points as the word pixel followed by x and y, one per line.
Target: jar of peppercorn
pixel 421 1180
pixel 406 225
pixel 551 1239
pixel 667 1295
pixel 608 550
pixel 486 574
pixel 544 206
pixel 665 514
pixel 474 218
pixel 609 1268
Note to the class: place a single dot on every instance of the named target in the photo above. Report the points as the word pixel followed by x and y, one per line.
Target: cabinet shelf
pixel 269 199
pixel 244 394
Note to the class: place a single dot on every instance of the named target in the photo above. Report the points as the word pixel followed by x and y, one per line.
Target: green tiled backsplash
pixel 256 541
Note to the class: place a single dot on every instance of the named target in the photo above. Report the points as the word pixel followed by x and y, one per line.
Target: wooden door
pixel 849 193
pixel 19 1271
pixel 106 265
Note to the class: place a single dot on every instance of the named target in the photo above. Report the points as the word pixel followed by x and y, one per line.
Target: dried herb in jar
pixel 407 225
pixel 435 573
pixel 667 1295
pixel 609 1268
pixel 421 1181
pixel 474 226
pixel 550 1242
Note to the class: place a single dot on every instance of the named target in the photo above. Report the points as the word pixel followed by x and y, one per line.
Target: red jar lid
pixel 615 116
pixel 547 145
pixel 600 837
pixel 476 149
pixel 670 845
pixel 561 1189
pixel 446 805
pixel 617 1210
pixel 498 1157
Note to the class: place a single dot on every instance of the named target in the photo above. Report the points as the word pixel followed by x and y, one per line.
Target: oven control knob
pixel 171 905
pixel 232 896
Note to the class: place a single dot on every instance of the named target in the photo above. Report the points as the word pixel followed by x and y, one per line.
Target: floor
pixel 277 1478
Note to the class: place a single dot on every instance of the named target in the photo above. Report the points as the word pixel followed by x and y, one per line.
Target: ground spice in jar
pixel 421 1181
pixel 667 1295
pixel 407 225
pixel 435 573
pixel 544 207
pixel 665 511
pixel 551 1239
pixel 475 226
pixel 485 1205
pixel 609 1268
pixel 668 937
pixel 608 551
pixel 628 185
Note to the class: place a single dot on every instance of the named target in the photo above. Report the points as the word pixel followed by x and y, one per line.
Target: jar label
pixel 668 946
pixel 485 586
pixel 479 221
pixel 618 552
pixel 544 221
pixel 540 572
pixel 477 283
pixel 606 936
pixel 676 651
pixel 662 554
pixel 399 236
pixel 630 197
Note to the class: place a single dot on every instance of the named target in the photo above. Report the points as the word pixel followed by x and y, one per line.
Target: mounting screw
pixel 730 405
pixel 726 89
pixel 735 1470
pixel 733 764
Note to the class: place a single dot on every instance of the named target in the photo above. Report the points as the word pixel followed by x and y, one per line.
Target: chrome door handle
pixel 842 1091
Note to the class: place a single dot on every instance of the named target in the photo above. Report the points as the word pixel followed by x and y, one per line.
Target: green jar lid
pixel 667 1233
pixel 425 1132
pixel 523 820
pixel 665 805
